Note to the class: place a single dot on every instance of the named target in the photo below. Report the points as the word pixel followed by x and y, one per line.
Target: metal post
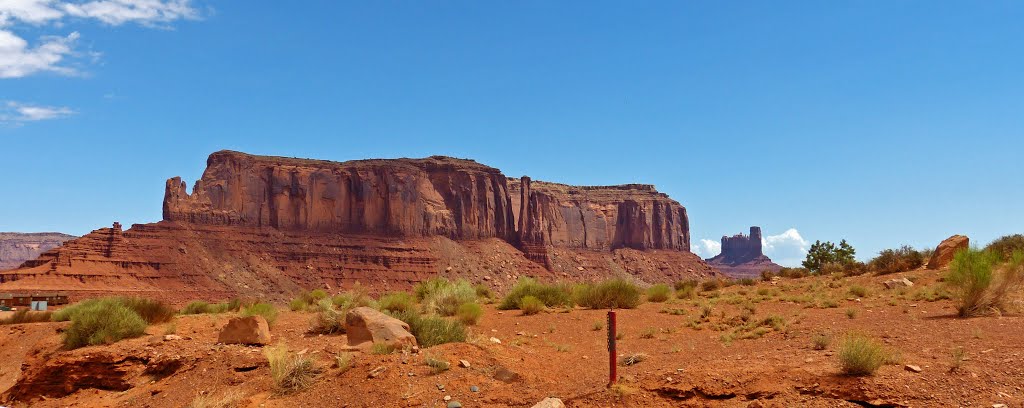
pixel 612 374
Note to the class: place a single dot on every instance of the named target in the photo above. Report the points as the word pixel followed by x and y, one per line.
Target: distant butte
pixel 16 247
pixel 742 256
pixel 263 225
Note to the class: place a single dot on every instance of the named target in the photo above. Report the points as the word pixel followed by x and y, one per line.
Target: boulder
pixel 251 330
pixel 943 254
pixel 898 283
pixel 365 327
pixel 550 403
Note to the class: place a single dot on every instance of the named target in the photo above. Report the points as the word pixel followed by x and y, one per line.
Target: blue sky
pixel 884 123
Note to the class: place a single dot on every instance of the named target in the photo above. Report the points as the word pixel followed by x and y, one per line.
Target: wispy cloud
pixel 19 59
pixel 14 112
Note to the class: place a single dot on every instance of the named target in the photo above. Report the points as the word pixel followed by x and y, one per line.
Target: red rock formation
pixel 944 253
pixel 266 226
pixel 16 248
pixel 742 257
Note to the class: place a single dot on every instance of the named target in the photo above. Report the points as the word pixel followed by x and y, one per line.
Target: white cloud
pixel 787 248
pixel 19 59
pixel 706 248
pixel 14 112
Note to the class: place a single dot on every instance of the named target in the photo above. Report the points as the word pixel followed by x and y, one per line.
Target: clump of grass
pixel 705 311
pixel 658 293
pixel 484 292
pixel 981 284
pixel 151 311
pixel 328 319
pixel 436 365
pixel 610 294
pixel 859 355
pixel 469 313
pixel 632 359
pixel 298 305
pixel 931 294
pixel 1005 246
pixel 104 321
pixel 851 313
pixel 26 316
pixel 710 285
pixel 432 330
pixel 821 341
pixel 343 362
pixel 597 326
pixel 551 295
pixel 229 399
pixel 201 307
pixel 382 348
pixel 748 282
pixel 290 372
pixel 441 296
pixel 171 328
pixel 267 310
pixel 956 358
pixel 530 305
pixel 648 333
pixel 396 302
pixel 858 291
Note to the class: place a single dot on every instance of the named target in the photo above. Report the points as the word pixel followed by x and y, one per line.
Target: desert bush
pixel 103 321
pixel 436 365
pixel 550 295
pixel 26 316
pixel 290 372
pixel 396 302
pixel 648 333
pixel 267 310
pixel 328 319
pixel 469 313
pixel 858 291
pixel 483 291
pixel 851 313
pixel 229 399
pixel 767 275
pixel 201 307
pixel 658 293
pixel 317 294
pixel 382 348
pixel 632 359
pixel 432 330
pixel 152 311
pixel 747 282
pixel 297 305
pixel 981 284
pixel 794 273
pixel 824 253
pixel 687 292
pixel 710 285
pixel 903 259
pixel 611 294
pixel 821 341
pixel 1005 246
pixel 441 296
pixel 530 305
pixel 343 362
pixel 860 355
pixel 688 283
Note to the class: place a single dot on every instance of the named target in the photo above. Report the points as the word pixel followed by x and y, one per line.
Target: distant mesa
pixel 264 225
pixel 16 247
pixel 742 256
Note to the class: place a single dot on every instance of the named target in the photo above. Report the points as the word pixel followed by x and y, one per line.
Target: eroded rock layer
pixel 16 247
pixel 257 225
pixel 742 256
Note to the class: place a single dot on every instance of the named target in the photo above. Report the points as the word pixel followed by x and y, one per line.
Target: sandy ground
pixel 690 361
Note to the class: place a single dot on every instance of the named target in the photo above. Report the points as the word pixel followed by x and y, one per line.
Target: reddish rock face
pixel 944 253
pixel 459 199
pixel 270 226
pixel 742 257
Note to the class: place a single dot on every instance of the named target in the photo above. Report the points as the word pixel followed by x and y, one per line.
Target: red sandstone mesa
pixel 16 248
pixel 260 225
pixel 742 256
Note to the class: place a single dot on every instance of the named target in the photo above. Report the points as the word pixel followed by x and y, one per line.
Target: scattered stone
pixel 365 327
pixel 454 404
pixel 251 330
pixel 440 387
pixel 579 268
pixel 914 368
pixel 495 340
pixel 505 375
pixel 374 373
pixel 998 405
pixel 898 283
pixel 463 364
pixel 171 337
pixel 447 398
pixel 474 388
pixel 549 403
pixel 943 254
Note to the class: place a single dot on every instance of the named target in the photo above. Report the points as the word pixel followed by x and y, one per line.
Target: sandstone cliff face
pixel 459 199
pixel 16 248
pixel 742 256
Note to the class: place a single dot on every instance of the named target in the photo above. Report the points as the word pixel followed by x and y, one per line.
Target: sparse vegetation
pixel 550 295
pixel 956 358
pixel 632 359
pixel 648 333
pixel 1006 245
pixel 382 349
pixel 597 326
pixel 201 307
pixel 343 362
pixel 823 254
pixel 530 305
pixel 101 321
pixel 469 313
pixel 851 313
pixel 860 355
pixel 26 316
pixel 658 293
pixel 432 330
pixel 982 284
pixel 396 302
pixel 903 259
pixel 441 296
pixel 747 282
pixel 290 372
pixel 328 319
pixel 821 341
pixel 228 399
pixel 436 365
pixel 858 291
pixel 267 310
pixel 686 289
pixel 610 294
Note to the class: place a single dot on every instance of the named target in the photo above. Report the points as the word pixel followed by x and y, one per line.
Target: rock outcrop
pixel 16 248
pixel 742 256
pixel 944 253
pixel 249 330
pixel 269 226
pixel 365 327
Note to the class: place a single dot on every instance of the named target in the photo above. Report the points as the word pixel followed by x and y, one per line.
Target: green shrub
pixel 683 284
pixel 341 300
pixel 298 305
pixel 858 291
pixel 152 311
pixel 201 307
pixel 748 282
pixel 1005 246
pixel 328 319
pixel 903 259
pixel 860 355
pixel 441 296
pixel 821 254
pixel 290 372
pixel 821 341
pixel 317 294
pixel 687 292
pixel 531 305
pixel 710 285
pixel 436 365
pixel 610 294
pixel 469 313
pixel 794 273
pixel 432 330
pixel 550 295
pixel 483 291
pixel 658 293
pixel 104 321
pixel 767 275
pixel 981 284
pixel 267 310
pixel 396 302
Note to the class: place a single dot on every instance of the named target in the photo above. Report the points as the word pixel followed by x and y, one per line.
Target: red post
pixel 612 374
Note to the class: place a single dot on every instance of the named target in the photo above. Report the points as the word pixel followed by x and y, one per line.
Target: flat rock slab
pixel 251 330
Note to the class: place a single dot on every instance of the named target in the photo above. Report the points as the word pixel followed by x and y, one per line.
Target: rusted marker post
pixel 612 375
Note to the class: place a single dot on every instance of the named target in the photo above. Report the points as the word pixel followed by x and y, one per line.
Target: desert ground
pixel 516 360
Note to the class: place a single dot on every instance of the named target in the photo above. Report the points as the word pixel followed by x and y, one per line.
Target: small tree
pixel 825 253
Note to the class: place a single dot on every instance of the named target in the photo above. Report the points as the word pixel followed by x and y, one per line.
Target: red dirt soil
pixel 561 354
